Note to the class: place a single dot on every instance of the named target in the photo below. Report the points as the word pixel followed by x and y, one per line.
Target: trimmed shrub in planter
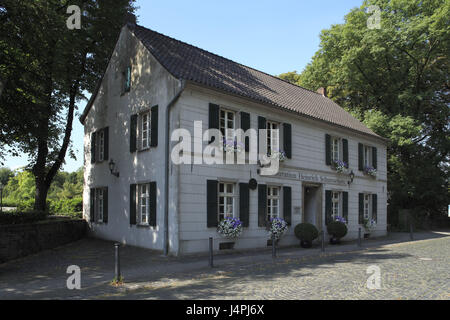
pixel 306 233
pixel 336 230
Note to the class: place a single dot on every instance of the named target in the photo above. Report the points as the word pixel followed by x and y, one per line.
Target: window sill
pixel 143 225
pixel 144 149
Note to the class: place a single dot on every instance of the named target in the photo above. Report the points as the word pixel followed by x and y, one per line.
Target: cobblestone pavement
pixel 409 270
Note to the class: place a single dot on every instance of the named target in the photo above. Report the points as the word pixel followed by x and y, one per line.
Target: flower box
pixel 370 171
pixel 339 166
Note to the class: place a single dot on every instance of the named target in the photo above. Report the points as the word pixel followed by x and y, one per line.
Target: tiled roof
pixel 190 63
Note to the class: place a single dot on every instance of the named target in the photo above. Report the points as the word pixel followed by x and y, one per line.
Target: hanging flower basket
pixel 277 228
pixel 370 171
pixel 339 166
pixel 230 228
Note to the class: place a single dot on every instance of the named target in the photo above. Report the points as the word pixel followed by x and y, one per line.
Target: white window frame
pixel 273 202
pixel 99 204
pixel 335 204
pixel 225 129
pixel 101 145
pixel 335 149
pixel 226 195
pixel 367 157
pixel 367 206
pixel 273 137
pixel 144 204
pixel 144 136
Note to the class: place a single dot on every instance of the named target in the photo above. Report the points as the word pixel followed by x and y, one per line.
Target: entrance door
pixel 312 205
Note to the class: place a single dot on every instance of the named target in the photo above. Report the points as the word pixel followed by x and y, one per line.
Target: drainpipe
pixel 166 178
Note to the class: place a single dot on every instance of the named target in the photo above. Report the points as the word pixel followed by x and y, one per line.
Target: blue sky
pixel 274 36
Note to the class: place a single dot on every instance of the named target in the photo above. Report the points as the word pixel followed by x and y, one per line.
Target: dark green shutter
pixel 287 139
pixel 93 147
pixel 287 204
pixel 214 114
pixel 345 151
pixel 374 157
pixel 374 207
pixel 154 127
pixel 92 206
pixel 262 205
pixel 153 203
pixel 105 205
pixel 245 125
pixel 133 133
pixel 244 204
pixel 262 124
pixel 327 149
pixel 360 157
pixel 328 209
pixel 133 205
pixel 211 203
pixel 361 209
pixel 345 205
pixel 106 143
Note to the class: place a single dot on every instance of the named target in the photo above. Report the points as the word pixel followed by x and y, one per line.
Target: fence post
pixel 117 262
pixel 359 237
pixel 211 263
pixel 322 240
pixel 274 252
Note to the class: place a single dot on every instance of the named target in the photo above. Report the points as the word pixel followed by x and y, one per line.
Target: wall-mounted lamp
pixel 112 166
pixel 352 176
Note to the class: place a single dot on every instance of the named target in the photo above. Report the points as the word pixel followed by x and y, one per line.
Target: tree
pixel 45 67
pixel 396 80
pixel 5 175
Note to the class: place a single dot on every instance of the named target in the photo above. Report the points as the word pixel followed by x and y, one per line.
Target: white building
pixel 155 84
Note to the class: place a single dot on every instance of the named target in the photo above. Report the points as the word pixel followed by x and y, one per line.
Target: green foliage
pixel 337 229
pixel 306 231
pixel 19 217
pixel 5 174
pixel 395 80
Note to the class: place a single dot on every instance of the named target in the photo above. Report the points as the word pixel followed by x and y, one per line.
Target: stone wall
pixel 24 239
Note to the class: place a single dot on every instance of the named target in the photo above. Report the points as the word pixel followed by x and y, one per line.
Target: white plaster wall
pixel 151 85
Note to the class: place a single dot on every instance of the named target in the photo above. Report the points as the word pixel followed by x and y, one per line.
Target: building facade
pixel 134 193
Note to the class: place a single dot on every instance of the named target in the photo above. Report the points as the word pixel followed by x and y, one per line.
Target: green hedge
pixel 18 217
pixel 70 207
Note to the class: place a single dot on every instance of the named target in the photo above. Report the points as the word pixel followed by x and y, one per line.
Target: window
pixel 227 124
pixel 101 145
pixel 367 213
pixel 226 200
pixel 99 204
pixel 335 205
pixel 335 149
pixel 367 156
pixel 273 142
pixel 145 130
pixel 144 204
pixel 273 201
pixel 127 80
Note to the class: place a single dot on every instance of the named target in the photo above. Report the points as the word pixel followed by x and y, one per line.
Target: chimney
pixel 322 91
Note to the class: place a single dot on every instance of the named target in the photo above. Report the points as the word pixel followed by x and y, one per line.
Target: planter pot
pixel 334 240
pixel 305 243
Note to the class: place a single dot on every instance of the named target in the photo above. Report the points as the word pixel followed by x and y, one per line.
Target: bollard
pixel 117 262
pixel 411 236
pixel 359 237
pixel 274 249
pixel 211 264
pixel 322 236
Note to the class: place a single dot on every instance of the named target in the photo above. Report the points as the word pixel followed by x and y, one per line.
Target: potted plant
pixel 336 229
pixel 306 233
pixel 339 166
pixel 369 226
pixel 277 228
pixel 230 228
